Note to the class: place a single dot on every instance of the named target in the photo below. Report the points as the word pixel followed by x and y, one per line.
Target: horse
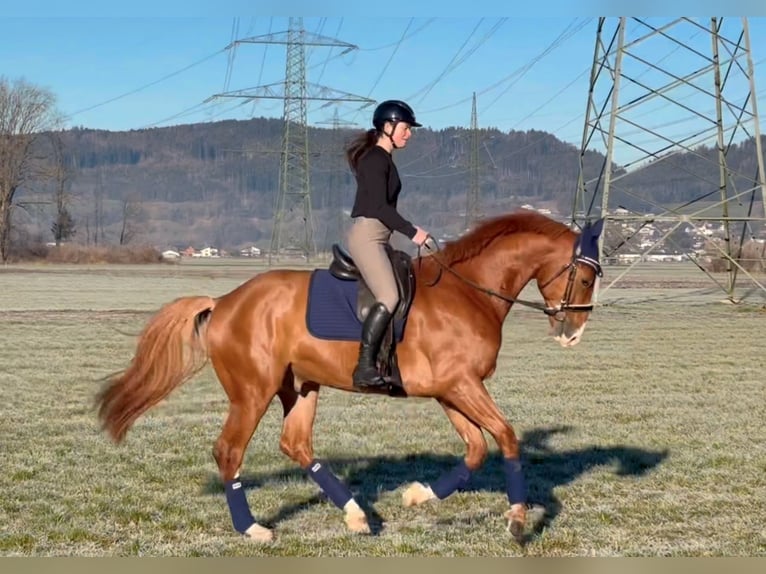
pixel 257 341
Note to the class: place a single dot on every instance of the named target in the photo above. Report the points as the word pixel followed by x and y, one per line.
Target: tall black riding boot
pixel 374 327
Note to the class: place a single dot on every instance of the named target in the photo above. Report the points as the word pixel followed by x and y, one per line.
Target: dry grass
pixel 647 439
pixel 87 254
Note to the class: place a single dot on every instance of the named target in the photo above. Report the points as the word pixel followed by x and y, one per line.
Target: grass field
pixel 647 439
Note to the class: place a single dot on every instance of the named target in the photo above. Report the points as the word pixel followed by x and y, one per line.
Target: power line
pixel 265 51
pixel 518 150
pixel 204 105
pixel 263 63
pixel 455 62
pixel 549 100
pixel 521 70
pixel 565 35
pixel 140 88
pixel 388 63
pixel 329 55
pixel 232 54
pixel 428 87
pixel 390 58
pixel 406 37
pixel 320 28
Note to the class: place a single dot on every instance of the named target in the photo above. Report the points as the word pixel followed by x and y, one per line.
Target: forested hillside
pixel 216 183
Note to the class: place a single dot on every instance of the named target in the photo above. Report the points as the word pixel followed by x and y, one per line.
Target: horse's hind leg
pixel 246 409
pixel 296 442
pixel 457 477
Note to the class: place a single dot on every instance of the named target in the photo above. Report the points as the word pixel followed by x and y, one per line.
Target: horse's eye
pixel 585 283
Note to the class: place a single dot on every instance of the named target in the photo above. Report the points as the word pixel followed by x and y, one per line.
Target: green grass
pixel 645 440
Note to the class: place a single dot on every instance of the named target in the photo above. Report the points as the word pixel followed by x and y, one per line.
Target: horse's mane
pixel 523 221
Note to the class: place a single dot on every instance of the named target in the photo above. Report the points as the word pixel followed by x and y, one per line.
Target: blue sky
pixel 121 72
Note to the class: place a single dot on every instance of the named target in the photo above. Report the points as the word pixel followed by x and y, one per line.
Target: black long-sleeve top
pixel 377 192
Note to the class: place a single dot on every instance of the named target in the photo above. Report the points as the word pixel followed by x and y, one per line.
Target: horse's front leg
pixel 299 402
pixel 475 403
pixel 457 477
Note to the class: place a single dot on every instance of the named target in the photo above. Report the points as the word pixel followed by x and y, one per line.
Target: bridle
pixel 559 311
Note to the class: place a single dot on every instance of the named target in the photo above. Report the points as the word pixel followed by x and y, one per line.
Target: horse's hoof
pixel 259 533
pixel 516 518
pixel 416 494
pixel 517 530
pixel 357 523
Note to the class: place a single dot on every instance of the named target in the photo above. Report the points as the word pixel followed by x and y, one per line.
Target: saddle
pixel 343 267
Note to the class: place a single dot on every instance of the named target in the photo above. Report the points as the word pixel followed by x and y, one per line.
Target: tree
pixel 63 227
pixel 63 224
pixel 27 112
pixel 98 211
pixel 132 213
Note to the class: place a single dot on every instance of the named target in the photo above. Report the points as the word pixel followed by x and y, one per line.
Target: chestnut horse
pixel 257 340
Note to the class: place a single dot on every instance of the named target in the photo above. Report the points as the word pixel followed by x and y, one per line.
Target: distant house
pixel 251 251
pixel 171 254
pixel 209 252
pixel 188 252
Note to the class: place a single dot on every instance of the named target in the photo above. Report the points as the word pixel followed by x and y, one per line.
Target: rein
pixel 555 312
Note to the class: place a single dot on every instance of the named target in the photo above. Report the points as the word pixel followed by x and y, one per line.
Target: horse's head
pixel 567 284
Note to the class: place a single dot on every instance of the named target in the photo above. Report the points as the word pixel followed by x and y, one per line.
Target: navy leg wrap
pixel 514 481
pixel 452 480
pixel 329 483
pixel 240 511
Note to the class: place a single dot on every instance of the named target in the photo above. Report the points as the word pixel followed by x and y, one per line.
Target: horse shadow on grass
pixel 545 469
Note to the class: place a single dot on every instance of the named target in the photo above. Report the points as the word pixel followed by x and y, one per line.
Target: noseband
pixel 559 311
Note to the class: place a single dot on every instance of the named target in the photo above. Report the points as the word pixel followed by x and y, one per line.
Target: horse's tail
pixel 170 350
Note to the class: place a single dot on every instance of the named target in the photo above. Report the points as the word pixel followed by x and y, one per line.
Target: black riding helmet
pixel 393 111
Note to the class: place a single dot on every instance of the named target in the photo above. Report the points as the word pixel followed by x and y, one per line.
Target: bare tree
pixel 26 113
pixel 63 227
pixel 132 214
pixel 98 211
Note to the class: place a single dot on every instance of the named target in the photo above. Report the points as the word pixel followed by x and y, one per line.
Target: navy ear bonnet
pixel 587 248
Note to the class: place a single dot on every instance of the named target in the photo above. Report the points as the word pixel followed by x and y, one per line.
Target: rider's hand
pixel 431 244
pixel 420 237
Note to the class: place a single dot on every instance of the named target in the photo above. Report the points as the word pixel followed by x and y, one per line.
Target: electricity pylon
pixel 293 230
pixel 659 90
pixel 472 209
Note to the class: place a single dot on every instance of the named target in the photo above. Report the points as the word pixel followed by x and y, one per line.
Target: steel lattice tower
pixel 472 210
pixel 294 184
pixel 646 112
pixel 293 230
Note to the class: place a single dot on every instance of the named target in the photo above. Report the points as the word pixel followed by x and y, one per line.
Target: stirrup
pixel 377 381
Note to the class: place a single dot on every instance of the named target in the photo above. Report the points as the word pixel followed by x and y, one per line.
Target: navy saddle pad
pixel 331 312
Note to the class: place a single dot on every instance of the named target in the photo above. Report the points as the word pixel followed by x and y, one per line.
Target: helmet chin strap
pixel 391 135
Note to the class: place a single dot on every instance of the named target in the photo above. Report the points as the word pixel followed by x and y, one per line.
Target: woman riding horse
pixel 257 340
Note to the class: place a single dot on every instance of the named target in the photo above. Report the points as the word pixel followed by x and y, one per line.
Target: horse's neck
pixel 505 268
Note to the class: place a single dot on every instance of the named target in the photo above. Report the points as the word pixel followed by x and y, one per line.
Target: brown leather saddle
pixel 343 267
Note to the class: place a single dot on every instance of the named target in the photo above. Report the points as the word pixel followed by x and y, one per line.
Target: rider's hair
pixel 359 146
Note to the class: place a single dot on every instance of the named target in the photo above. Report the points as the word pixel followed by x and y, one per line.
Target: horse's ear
pixel 597 228
pixel 587 248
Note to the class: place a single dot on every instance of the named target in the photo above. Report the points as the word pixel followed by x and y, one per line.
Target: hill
pixel 216 183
